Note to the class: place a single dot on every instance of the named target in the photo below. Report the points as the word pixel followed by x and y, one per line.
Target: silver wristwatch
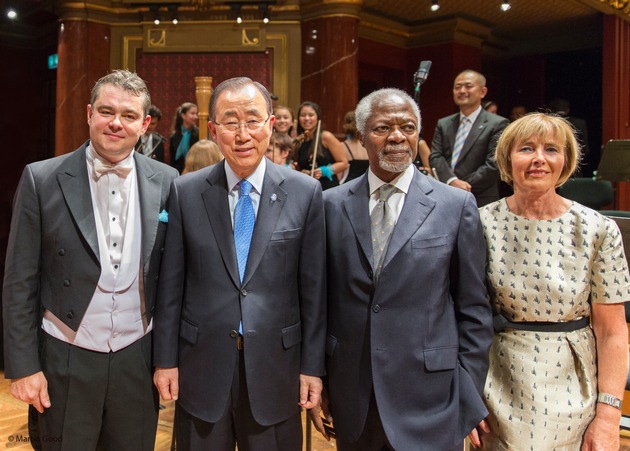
pixel 611 400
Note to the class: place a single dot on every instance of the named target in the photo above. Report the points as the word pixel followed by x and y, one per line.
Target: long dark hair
pixel 300 131
pixel 182 109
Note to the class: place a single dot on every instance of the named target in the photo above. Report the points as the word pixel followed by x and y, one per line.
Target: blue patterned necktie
pixel 244 220
pixel 460 138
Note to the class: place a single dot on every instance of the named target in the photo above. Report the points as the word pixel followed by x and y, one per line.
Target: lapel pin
pixel 274 197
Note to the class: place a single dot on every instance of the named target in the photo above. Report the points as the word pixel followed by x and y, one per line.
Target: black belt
pixel 500 322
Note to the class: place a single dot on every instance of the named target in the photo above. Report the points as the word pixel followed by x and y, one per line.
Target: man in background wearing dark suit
pixel 409 324
pixel 463 147
pixel 151 144
pixel 241 315
pixel 80 283
pixel 562 107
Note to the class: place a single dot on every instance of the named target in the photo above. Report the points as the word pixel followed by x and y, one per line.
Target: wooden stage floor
pixel 14 432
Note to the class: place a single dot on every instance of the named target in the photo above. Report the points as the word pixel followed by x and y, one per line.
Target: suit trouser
pixel 103 401
pixel 236 426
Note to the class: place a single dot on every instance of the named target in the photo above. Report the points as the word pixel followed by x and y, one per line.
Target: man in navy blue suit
pixel 409 325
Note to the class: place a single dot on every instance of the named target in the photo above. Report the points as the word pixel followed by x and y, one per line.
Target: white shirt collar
pixel 473 116
pixel 256 178
pixel 91 154
pixel 402 181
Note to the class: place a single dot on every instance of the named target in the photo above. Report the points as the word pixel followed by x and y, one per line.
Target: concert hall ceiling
pixel 523 18
pixel 533 21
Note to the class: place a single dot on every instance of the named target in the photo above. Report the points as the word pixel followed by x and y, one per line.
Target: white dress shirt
pixel 256 178
pixel 397 199
pixel 116 315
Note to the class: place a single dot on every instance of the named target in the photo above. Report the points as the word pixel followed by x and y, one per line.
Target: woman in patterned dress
pixel 557 278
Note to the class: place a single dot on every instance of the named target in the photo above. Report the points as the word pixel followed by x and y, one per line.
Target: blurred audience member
pixel 185 134
pixel 355 152
pixel 422 159
pixel 280 149
pixel 151 144
pixel 203 153
pixel 284 121
pixel 518 111
pixel 330 156
pixel 562 108
pixel 491 107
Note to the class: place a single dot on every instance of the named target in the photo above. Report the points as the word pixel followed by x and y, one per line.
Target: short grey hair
pixel 234 84
pixel 366 105
pixel 127 81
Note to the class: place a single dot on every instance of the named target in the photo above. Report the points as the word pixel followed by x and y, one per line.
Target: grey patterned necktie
pixel 383 221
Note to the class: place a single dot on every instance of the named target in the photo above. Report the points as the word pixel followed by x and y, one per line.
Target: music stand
pixel 614 165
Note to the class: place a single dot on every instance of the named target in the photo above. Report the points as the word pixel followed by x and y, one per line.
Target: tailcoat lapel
pixel 215 200
pixel 75 187
pixel 149 192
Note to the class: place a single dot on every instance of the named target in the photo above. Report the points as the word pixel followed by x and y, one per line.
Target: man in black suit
pixel 81 278
pixel 151 144
pixel 241 317
pixel 562 107
pixel 409 324
pixel 463 147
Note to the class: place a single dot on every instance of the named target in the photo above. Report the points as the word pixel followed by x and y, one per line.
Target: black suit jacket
pixel 419 336
pixel 476 163
pixel 157 152
pixel 174 141
pixel 281 300
pixel 53 257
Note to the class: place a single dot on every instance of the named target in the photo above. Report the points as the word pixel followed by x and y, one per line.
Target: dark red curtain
pixel 171 76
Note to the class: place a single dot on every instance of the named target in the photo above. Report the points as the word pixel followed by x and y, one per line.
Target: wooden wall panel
pixel 616 91
pixel 171 76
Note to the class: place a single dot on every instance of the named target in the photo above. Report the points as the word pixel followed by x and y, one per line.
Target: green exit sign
pixel 52 61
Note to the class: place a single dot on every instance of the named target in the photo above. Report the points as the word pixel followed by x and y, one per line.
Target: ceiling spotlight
pixel 506 5
pixel 265 12
pixel 239 11
pixel 12 14
pixel 435 5
pixel 172 9
pixel 154 10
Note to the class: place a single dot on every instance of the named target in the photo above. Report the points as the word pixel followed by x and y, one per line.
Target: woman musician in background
pixel 330 156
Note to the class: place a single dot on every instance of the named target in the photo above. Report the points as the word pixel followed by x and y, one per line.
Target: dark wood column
pixel 616 90
pixel 84 52
pixel 330 74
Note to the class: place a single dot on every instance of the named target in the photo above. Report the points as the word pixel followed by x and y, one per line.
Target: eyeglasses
pixel 386 130
pixel 253 125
